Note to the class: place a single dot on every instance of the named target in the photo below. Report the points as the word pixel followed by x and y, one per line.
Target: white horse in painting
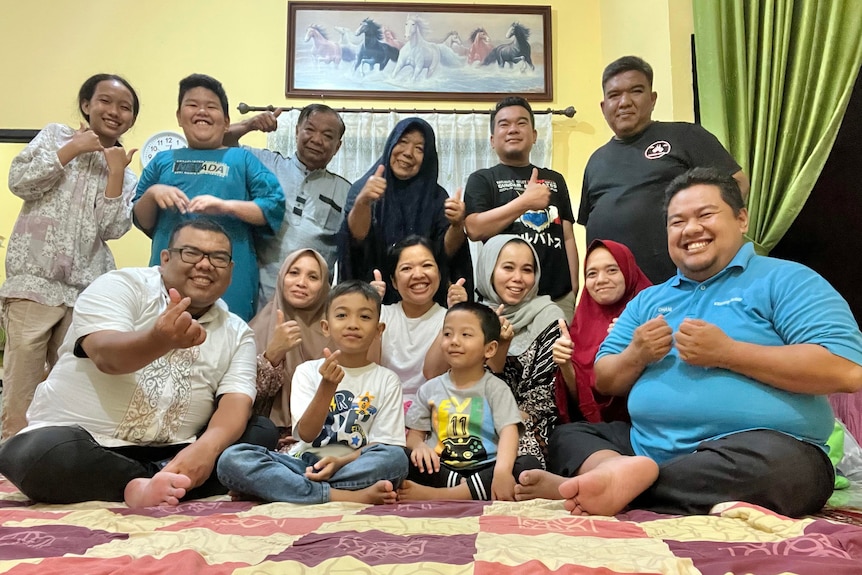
pixel 417 52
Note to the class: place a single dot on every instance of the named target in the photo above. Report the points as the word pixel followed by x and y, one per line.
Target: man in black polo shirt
pixel 624 181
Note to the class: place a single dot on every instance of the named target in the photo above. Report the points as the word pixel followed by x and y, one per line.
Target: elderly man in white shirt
pixel 155 379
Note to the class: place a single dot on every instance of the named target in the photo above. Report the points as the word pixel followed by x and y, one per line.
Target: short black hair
pixel 88 90
pixel 307 111
pixel 393 254
pixel 203 81
pixel 199 223
pixel 726 184
pixel 512 101
pixel 354 286
pixel 488 320
pixel 627 64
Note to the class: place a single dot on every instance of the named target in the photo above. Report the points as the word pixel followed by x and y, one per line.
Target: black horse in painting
pixel 518 50
pixel 373 51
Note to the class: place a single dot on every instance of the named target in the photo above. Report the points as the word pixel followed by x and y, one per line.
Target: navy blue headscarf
pixel 412 206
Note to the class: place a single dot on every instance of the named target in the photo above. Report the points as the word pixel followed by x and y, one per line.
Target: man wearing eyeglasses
pixel 155 379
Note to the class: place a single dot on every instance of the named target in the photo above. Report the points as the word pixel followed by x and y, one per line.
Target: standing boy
pixel 228 184
pixel 472 417
pixel 349 419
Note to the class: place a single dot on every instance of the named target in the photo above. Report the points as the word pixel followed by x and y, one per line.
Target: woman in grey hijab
pixel 507 279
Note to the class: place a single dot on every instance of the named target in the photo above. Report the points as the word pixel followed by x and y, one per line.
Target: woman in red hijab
pixel 611 280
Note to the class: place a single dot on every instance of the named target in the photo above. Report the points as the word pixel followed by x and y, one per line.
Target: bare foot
pixel 378 494
pixel 610 486
pixel 163 488
pixel 538 484
pixel 412 491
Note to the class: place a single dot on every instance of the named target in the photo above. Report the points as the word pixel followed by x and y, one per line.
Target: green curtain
pixel 774 78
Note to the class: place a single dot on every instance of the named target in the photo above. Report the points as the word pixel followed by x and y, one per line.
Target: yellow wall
pixel 50 47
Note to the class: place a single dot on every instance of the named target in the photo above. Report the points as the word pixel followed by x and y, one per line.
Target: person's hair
pixel 203 81
pixel 512 101
pixel 627 64
pixel 728 187
pixel 365 289
pixel 488 320
pixel 88 89
pixel 204 224
pixel 393 254
pixel 307 111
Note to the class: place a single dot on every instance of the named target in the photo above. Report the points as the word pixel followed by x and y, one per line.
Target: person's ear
pixel 324 326
pixel 381 327
pixel 491 349
pixel 164 256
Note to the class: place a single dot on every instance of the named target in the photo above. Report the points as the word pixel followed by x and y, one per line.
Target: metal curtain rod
pixel 245 108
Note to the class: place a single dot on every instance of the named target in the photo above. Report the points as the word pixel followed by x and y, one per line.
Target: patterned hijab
pixel 528 318
pixel 589 329
pixel 313 340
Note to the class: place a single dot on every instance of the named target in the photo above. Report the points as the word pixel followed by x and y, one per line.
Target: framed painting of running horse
pixel 418 51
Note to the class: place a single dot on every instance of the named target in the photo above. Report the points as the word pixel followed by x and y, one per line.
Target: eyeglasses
pixel 194 255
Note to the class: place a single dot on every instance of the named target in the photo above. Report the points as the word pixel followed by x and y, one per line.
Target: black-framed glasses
pixel 194 255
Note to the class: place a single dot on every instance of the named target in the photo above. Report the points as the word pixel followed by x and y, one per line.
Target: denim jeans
pixel 273 476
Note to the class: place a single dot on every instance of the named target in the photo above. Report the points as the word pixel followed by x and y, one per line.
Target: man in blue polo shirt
pixel 726 365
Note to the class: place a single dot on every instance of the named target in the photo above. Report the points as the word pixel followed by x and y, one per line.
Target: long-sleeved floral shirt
pixel 58 245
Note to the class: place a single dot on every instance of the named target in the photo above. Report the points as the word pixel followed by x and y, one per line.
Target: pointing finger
pixel 534 177
pixel 458 194
pixel 460 282
pixel 378 277
pixel 499 309
pixel 380 170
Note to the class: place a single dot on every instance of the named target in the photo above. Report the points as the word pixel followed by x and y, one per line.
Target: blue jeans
pixel 273 476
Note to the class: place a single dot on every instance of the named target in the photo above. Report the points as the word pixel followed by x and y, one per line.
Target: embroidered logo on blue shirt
pixel 727 302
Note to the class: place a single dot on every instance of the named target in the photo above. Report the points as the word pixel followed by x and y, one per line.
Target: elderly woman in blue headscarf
pixel 398 197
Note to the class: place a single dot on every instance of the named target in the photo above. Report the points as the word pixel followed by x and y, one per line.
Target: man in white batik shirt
pixel 155 379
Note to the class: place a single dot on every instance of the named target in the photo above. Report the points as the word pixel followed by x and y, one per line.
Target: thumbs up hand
pixel 374 188
pixel 563 347
pixel 455 209
pixel 537 195
pixel 378 283
pixel 457 293
pixel 286 335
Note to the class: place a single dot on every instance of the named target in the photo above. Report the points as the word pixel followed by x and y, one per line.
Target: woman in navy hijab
pixel 398 197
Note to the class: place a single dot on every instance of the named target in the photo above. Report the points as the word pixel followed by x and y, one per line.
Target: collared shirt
pixel 755 299
pixel 167 401
pixel 314 202
pixel 59 243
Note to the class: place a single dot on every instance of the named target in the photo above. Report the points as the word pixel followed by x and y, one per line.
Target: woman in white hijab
pixel 507 279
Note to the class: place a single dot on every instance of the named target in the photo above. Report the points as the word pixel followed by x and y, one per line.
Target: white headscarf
pixel 535 312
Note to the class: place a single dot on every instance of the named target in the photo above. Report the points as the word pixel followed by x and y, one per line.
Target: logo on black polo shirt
pixel 656 150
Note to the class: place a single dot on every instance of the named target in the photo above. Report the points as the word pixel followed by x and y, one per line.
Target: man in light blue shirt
pixel 726 365
pixel 314 196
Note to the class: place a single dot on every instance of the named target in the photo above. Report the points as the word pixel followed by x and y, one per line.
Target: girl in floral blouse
pixel 77 191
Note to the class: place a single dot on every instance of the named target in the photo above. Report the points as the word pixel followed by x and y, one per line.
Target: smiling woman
pixel 399 196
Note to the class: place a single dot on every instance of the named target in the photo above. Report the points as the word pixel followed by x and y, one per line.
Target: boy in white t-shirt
pixel 471 417
pixel 349 420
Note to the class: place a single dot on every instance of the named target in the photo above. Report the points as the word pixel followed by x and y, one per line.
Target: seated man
pixel 727 366
pixel 155 379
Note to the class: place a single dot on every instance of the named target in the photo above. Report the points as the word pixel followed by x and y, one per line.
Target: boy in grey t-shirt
pixel 464 426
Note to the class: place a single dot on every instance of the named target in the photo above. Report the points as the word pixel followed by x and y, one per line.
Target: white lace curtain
pixel 462 143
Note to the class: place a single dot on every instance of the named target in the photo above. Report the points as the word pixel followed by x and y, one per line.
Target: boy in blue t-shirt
pixel 471 416
pixel 229 185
